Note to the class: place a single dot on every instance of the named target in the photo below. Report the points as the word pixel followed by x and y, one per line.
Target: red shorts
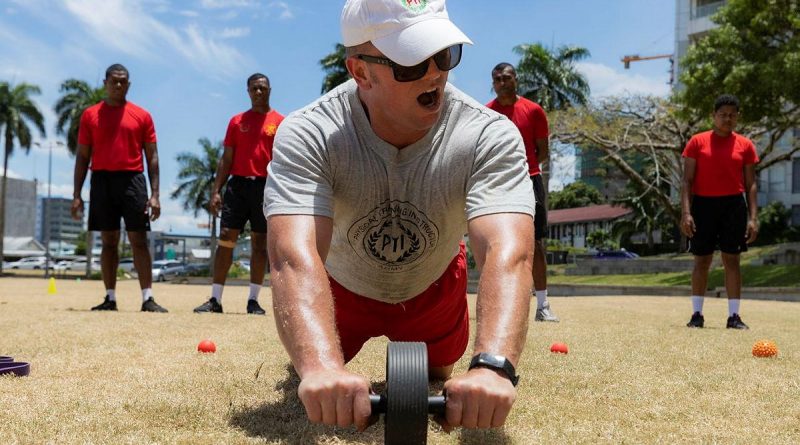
pixel 438 316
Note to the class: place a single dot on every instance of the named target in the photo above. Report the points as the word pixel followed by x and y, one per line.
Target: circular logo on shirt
pixel 393 236
pixel 244 128
pixel 414 5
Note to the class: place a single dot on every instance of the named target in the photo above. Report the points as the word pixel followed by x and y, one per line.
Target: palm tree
pixel 78 96
pixel 335 69
pixel 550 78
pixel 197 175
pixel 17 111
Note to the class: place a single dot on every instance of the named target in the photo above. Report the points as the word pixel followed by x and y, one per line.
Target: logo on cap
pixel 414 5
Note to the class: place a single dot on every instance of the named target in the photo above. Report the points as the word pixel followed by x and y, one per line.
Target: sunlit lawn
pixel 634 373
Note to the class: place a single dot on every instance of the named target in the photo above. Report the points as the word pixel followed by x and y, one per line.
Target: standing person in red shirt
pixel 248 150
pixel 112 136
pixel 531 121
pixel 718 200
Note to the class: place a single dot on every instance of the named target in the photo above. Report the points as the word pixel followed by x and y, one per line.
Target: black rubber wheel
pixel 406 420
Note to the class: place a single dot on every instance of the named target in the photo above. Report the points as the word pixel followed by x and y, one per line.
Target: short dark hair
pixel 117 67
pixel 503 65
pixel 726 99
pixel 255 77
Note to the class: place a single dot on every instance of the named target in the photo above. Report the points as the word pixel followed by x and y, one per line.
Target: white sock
pixel 112 294
pixel 216 292
pixel 733 306
pixel 541 298
pixel 254 290
pixel 697 304
pixel 147 294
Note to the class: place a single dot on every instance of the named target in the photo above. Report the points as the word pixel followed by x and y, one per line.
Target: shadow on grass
pixel 285 420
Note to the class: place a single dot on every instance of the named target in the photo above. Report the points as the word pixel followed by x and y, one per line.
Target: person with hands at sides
pixel 248 150
pixel 112 136
pixel 718 204
pixel 531 120
pixel 369 193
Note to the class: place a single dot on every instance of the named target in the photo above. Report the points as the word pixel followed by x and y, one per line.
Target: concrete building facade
pixel 20 208
pixel 55 219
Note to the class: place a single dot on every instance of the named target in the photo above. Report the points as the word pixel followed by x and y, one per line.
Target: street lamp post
pixel 47 222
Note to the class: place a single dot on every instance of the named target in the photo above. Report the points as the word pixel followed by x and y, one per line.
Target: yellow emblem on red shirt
pixel 271 129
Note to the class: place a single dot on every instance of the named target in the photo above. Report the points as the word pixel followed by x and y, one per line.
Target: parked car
pixel 126 264
pixel 62 265
pixel 164 270
pixel 33 262
pixel 615 255
pixel 80 265
pixel 194 270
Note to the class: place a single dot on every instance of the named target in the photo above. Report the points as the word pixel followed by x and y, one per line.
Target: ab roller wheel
pixel 406 404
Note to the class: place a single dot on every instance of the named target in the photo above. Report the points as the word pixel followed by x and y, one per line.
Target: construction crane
pixel 626 60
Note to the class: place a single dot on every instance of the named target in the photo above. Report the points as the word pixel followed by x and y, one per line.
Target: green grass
pixel 752 276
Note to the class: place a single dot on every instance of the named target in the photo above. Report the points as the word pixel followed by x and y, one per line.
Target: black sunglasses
pixel 445 60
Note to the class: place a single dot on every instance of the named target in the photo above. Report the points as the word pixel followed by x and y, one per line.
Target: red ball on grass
pixel 207 346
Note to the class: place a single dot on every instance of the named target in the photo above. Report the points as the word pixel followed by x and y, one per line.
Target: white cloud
pixel 126 27
pixel 189 13
pixel 283 7
pixel 606 81
pixel 12 174
pixel 225 4
pixel 174 218
pixel 234 33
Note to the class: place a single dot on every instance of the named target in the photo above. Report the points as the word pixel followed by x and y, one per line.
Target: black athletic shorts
pixel 243 201
pixel 721 223
pixel 118 194
pixel 540 219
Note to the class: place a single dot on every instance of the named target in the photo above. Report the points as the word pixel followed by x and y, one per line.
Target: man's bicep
pixel 296 238
pixel 510 233
pixel 83 151
pixel 151 150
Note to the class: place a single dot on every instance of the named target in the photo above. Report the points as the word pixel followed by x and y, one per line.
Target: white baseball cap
pixel 406 31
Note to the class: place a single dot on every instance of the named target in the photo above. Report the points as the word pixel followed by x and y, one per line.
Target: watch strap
pixel 497 363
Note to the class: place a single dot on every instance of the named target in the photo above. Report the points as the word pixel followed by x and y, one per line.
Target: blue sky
pixel 189 60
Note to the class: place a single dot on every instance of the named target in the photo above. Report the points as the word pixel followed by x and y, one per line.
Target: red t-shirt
pixel 116 135
pixel 720 162
pixel 531 120
pixel 250 135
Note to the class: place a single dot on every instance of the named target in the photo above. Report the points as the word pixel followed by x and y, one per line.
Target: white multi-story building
pixel 780 182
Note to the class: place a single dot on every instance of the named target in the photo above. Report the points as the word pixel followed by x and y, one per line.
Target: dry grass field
pixel 634 373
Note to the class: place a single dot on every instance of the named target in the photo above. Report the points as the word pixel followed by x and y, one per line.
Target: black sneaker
pixel 735 322
pixel 254 308
pixel 209 306
pixel 151 306
pixel 697 321
pixel 106 305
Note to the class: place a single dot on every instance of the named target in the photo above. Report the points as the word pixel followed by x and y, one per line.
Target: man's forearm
pixel 223 171
pixel 81 168
pixel 752 202
pixel 305 317
pixel 503 305
pixel 153 174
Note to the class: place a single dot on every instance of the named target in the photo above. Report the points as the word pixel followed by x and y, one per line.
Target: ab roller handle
pixel 436 404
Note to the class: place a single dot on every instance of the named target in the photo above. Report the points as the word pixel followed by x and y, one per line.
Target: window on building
pixel 796 175
pixel 796 215
pixel 704 8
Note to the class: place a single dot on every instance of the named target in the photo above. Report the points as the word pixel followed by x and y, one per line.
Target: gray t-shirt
pixel 398 215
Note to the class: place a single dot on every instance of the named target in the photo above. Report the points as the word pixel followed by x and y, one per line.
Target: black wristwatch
pixel 496 362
